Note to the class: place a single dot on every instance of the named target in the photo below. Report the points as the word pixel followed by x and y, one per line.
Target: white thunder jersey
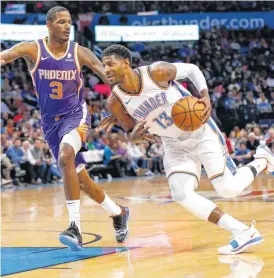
pixel 184 150
pixel 153 103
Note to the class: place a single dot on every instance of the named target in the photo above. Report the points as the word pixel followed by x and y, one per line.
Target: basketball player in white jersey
pixel 148 93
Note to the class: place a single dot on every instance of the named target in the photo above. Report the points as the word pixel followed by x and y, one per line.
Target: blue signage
pixel 232 21
pixel 28 18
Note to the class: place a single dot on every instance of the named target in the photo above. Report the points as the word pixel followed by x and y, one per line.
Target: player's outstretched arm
pixel 20 50
pixel 163 72
pixel 87 58
pixel 120 117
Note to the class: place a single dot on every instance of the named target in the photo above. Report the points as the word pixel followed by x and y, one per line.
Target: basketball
pixel 186 113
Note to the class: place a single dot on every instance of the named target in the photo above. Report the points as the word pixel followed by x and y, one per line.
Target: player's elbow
pixel 194 69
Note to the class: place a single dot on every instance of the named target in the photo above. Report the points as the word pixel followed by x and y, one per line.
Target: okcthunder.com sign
pixel 205 21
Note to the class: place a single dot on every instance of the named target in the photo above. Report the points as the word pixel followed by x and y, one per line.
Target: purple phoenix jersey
pixel 60 91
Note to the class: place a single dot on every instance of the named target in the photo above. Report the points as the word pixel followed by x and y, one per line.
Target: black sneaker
pixel 120 224
pixel 72 237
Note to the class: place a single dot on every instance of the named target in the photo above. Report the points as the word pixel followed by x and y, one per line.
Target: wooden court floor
pixel 165 240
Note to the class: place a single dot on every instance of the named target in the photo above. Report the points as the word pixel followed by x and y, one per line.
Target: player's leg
pixel 242 238
pixel 70 145
pixel 229 182
pixel 183 186
pixel 119 214
pixel 221 170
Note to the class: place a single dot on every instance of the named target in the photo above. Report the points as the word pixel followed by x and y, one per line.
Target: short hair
pixel 119 51
pixel 17 139
pixel 51 14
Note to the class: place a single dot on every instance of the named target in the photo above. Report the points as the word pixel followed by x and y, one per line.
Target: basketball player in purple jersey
pixel 55 65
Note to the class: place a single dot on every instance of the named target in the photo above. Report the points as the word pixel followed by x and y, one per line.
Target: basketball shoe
pixel 120 224
pixel 71 237
pixel 265 152
pixel 242 240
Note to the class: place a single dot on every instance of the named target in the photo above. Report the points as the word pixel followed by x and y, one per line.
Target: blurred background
pixel 232 42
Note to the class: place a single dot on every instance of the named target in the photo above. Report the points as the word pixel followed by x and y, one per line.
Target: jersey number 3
pixel 57 90
pixel 163 120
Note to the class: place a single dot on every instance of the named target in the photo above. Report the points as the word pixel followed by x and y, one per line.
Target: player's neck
pixel 131 82
pixel 56 47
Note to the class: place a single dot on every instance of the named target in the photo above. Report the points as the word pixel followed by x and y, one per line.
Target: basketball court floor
pixel 165 240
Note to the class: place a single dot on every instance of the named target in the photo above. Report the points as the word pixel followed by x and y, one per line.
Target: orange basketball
pixel 186 113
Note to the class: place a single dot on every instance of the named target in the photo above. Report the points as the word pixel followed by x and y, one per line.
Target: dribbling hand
pixel 207 112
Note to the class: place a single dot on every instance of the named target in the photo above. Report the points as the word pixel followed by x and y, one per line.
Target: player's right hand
pixel 2 62
pixel 107 124
pixel 140 132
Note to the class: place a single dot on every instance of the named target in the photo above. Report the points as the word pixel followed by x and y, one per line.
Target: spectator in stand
pixel 228 143
pixel 18 158
pixel 134 153
pixel 40 166
pixel 258 133
pixel 28 163
pixel 156 152
pixel 53 173
pixel 232 139
pixel 27 130
pixel 120 148
pixel 271 100
pixel 10 128
pixel 270 139
pixel 90 144
pixel 15 153
pixel 242 138
pixel 252 143
pixel 243 155
pixel 98 144
pixel 4 117
pixel 237 131
pixel 3 129
pixel 250 108
pixel 10 173
pixel 263 104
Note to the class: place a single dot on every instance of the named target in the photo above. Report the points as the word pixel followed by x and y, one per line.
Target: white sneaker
pixel 242 240
pixel 265 152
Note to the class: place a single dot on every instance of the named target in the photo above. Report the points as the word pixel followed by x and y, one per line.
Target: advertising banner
pixel 15 32
pixel 205 21
pixel 146 33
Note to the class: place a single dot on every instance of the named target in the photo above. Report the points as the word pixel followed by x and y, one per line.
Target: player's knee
pixel 66 158
pixel 175 196
pixel 181 186
pixel 225 188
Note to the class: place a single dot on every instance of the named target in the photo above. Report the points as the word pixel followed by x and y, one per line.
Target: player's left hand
pixel 140 132
pixel 107 124
pixel 207 112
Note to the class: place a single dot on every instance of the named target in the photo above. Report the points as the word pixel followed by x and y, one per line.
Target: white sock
pixel 259 164
pixel 74 212
pixel 229 223
pixel 110 206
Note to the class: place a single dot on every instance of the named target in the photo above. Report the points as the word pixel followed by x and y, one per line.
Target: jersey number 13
pixel 163 120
